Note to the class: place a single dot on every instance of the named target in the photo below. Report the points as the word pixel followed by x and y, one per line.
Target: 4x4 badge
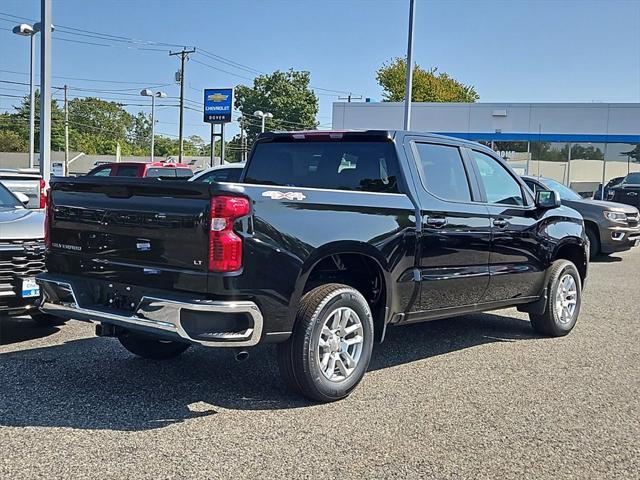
pixel 275 195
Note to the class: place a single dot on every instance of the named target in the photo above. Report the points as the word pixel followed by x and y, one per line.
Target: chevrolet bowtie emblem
pixel 217 97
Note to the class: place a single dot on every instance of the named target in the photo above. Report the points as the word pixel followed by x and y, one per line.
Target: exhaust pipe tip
pixel 241 355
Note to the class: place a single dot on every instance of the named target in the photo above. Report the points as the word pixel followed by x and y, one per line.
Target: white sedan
pixel 229 172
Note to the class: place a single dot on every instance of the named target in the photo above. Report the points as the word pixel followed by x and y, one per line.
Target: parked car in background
pixel 28 182
pixel 22 249
pixel 328 239
pixel 611 227
pixel 229 172
pixel 598 195
pixel 627 191
pixel 179 171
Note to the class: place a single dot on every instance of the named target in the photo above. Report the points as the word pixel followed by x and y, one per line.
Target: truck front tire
pixel 329 351
pixel 564 296
pixel 152 348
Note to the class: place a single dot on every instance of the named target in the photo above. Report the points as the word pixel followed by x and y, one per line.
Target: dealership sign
pixel 218 105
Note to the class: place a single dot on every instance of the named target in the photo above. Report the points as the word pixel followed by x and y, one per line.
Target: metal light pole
pixel 26 30
pixel 149 93
pixel 45 91
pixel 408 88
pixel 263 116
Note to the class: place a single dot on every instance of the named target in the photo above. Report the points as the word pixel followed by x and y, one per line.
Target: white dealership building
pixel 579 144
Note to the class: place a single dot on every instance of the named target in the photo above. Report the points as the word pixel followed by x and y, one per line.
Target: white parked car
pixel 229 172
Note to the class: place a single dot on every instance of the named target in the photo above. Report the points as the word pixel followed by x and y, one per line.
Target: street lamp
pixel 264 116
pixel 150 93
pixel 26 30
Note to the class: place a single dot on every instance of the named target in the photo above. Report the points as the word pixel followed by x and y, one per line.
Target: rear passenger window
pixel 127 171
pixel 161 172
pixel 340 165
pixel 442 172
pixel 184 172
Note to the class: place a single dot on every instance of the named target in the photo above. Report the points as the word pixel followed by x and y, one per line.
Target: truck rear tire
pixel 564 296
pixel 329 351
pixel 152 348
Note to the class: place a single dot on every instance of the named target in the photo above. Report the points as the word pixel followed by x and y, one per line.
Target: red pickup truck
pixel 141 170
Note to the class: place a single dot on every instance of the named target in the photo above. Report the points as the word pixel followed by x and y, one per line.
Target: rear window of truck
pixel 343 165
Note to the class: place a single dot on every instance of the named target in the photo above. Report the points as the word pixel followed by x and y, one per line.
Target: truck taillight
pixel 225 246
pixel 47 222
pixel 43 193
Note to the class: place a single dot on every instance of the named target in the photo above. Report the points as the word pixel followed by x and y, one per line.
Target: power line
pixel 204 52
pixel 95 80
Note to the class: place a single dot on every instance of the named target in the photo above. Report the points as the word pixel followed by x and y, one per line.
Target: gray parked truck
pixel 611 227
pixel 28 182
pixel 21 256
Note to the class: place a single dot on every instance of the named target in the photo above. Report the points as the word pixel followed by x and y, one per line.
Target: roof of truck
pixel 373 134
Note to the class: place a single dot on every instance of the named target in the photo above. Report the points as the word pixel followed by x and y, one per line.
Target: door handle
pixel 436 222
pixel 499 222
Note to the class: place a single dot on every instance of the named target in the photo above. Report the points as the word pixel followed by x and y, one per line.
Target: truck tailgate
pixel 150 232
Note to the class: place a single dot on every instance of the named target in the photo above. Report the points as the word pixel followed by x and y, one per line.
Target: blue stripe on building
pixel 543 137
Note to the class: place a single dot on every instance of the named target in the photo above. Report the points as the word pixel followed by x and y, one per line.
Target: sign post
pixel 218 107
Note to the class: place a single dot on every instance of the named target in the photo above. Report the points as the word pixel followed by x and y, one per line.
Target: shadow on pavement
pixel 95 384
pixel 20 329
pixel 602 258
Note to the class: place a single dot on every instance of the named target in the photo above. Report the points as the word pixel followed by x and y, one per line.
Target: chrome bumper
pixel 160 314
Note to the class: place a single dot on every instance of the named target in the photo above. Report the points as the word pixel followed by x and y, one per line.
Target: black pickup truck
pixel 328 239
pixel 626 191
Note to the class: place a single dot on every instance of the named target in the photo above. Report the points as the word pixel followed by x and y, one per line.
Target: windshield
pixel 632 178
pixel 565 192
pixel 7 200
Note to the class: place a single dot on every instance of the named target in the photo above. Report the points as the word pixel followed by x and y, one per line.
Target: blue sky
pixel 516 51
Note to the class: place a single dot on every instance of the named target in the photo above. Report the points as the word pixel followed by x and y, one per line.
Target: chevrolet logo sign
pixel 217 97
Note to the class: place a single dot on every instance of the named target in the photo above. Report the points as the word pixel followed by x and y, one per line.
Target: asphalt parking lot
pixel 476 397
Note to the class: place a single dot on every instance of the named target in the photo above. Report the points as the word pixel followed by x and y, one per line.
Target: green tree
pixel 18 123
pixel 428 85
pixel 287 95
pixel 11 141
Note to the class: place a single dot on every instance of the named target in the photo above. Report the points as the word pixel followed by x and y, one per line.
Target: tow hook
pixel 106 330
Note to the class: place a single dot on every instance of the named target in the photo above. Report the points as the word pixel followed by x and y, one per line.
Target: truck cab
pixel 143 170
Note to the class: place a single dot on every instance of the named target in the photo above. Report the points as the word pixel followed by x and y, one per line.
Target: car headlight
pixel 617 217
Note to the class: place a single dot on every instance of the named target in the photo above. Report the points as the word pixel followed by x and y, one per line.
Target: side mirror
pixel 22 198
pixel 547 199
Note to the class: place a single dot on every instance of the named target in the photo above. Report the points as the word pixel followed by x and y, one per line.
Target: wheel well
pixel 589 225
pixel 358 271
pixel 576 255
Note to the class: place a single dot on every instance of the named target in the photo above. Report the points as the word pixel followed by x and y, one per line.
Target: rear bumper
pixel 207 322
pixel 618 239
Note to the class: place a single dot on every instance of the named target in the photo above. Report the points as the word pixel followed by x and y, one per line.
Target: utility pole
pixel 212 161
pixel 243 153
pixel 45 90
pixel 222 144
pixel 66 133
pixel 350 97
pixel 408 88
pixel 183 56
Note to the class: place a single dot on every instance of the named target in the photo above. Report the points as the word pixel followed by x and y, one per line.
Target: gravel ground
pixel 474 397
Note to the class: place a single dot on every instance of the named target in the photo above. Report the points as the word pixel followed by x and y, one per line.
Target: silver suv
pixel 21 256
